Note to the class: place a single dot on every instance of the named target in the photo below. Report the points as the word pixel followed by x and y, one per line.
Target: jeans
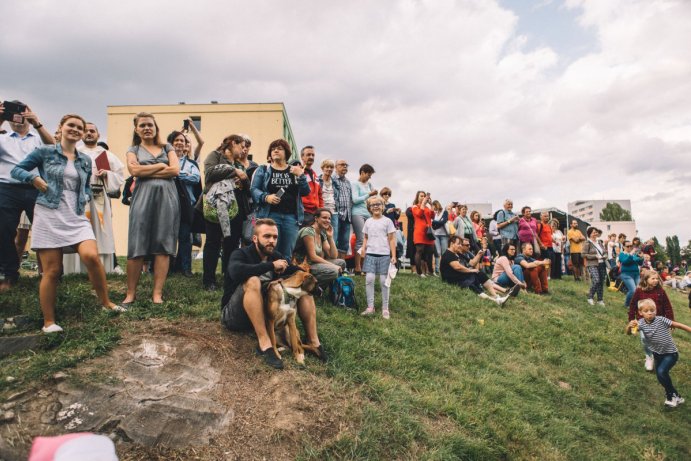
pixel 334 226
pixel 631 282
pixel 556 266
pixel 343 235
pixel 441 243
pixel 663 364
pixel 13 200
pixel 504 280
pixel 287 233
pixel 183 261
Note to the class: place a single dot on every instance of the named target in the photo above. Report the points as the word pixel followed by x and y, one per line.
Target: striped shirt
pixel 657 335
pixel 345 199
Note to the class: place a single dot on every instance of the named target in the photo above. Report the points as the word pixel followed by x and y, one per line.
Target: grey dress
pixel 154 211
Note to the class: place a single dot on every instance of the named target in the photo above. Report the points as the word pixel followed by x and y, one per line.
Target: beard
pixel 265 250
pixel 90 142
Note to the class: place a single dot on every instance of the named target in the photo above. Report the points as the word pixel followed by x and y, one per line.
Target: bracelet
pixel 39 126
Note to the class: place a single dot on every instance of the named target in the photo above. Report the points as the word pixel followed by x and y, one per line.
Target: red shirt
pixel 544 232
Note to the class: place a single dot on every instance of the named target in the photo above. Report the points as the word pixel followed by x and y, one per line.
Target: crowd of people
pixel 262 221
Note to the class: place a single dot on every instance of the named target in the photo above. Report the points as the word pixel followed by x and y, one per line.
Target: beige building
pixel 263 123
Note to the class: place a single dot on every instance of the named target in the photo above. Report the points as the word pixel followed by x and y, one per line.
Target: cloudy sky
pixel 542 101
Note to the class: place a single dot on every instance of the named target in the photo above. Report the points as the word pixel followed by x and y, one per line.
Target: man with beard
pixel 107 178
pixel 250 269
pixel 16 197
pixel 314 200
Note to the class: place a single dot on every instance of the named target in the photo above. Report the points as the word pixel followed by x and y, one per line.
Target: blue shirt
pixel 190 176
pixel 13 149
pixel 509 231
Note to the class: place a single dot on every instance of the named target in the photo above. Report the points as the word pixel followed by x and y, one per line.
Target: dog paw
pixel 300 358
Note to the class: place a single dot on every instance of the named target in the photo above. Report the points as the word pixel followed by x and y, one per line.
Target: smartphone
pixel 13 112
pixel 280 192
pixel 186 125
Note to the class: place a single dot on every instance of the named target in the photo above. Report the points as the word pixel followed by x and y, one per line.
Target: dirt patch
pixel 187 390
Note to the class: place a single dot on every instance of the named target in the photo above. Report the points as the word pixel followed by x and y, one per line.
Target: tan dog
pixel 280 309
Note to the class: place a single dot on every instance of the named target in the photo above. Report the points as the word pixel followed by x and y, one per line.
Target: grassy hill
pixel 450 376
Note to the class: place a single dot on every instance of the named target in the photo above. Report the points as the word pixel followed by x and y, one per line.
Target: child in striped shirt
pixel 658 338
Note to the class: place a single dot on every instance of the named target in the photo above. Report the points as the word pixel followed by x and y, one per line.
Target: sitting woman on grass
pixel 315 244
pixel 506 272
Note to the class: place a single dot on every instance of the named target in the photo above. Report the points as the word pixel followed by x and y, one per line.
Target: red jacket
pixel 658 295
pixel 314 199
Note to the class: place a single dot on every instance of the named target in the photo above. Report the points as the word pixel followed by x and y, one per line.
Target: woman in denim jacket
pixel 331 191
pixel 59 222
pixel 276 191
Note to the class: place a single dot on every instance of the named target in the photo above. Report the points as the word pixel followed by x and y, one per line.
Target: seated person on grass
pixel 506 272
pixel 316 245
pixel 534 271
pixel 459 267
pixel 250 269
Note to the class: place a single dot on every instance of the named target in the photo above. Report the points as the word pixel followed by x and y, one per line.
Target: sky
pixel 545 102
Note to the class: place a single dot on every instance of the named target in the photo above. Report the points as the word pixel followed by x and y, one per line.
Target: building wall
pixel 589 210
pixel 263 123
pixel 627 228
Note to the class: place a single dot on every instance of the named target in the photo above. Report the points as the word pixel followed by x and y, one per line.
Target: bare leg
pixel 134 271
pixel 47 291
pixel 88 252
pixel 20 241
pixel 161 264
pixel 307 311
pixel 253 303
pixel 488 285
pixel 358 262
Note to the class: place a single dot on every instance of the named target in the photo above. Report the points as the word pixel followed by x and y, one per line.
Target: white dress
pixel 100 212
pixel 61 227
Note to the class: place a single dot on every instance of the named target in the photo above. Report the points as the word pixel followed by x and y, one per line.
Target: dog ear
pixel 304 266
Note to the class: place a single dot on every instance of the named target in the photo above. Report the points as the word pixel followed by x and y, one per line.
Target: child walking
pixel 650 288
pixel 379 251
pixel 658 338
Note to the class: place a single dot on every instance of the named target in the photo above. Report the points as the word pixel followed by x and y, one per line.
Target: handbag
pixel 450 228
pixel 536 243
pixel 429 233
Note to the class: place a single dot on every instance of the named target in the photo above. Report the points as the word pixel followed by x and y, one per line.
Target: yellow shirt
pixel 575 234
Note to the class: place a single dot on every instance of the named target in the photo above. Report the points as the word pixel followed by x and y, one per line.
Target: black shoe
pixel 270 358
pixel 188 274
pixel 514 290
pixel 210 286
pixel 323 356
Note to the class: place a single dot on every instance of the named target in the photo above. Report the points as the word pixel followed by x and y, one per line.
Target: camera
pixel 13 112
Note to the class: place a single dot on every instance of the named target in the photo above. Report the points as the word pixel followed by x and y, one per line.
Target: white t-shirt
pixel 377 231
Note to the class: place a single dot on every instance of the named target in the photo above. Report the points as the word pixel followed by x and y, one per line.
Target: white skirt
pixel 61 227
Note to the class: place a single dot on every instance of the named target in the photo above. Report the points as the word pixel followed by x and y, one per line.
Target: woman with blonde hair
pixel 155 207
pixel 59 224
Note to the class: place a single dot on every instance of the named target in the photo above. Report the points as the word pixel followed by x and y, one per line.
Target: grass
pixel 449 377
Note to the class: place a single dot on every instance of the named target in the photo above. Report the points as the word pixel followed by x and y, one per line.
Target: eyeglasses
pixel 341 164
pixel 386 193
pixel 375 205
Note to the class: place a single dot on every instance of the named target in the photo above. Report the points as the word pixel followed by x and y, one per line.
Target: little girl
pixel 657 336
pixel 379 250
pixel 650 288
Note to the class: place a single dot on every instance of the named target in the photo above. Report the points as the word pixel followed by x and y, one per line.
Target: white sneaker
pixel 54 328
pixel 601 303
pixel 368 311
pixel 501 301
pixel 649 362
pixel 679 399
pixel 118 270
pixel 591 302
pixel 671 403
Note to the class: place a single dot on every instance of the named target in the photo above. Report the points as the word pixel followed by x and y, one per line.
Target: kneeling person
pixel 458 267
pixel 249 272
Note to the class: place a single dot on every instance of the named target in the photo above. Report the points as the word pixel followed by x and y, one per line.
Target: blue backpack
pixel 343 292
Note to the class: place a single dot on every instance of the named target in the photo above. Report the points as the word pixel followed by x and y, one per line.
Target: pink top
pixel 501 265
pixel 527 229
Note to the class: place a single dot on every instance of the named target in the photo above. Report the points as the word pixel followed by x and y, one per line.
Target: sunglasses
pixel 386 193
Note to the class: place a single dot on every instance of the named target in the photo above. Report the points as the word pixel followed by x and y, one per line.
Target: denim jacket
pixel 336 187
pixel 51 164
pixel 260 188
